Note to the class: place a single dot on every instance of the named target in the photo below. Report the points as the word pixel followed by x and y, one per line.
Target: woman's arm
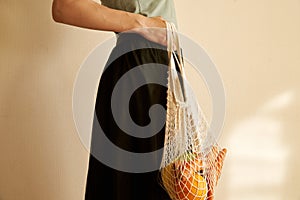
pixel 92 15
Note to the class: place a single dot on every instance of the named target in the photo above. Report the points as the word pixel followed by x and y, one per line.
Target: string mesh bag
pixel 192 159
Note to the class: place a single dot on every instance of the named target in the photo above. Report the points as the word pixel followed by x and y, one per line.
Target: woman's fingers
pixel 154 30
pixel 157 35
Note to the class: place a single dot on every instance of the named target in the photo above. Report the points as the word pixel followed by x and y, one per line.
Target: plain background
pixel 255 45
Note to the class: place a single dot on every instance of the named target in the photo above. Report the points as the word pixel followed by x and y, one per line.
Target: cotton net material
pixel 192 159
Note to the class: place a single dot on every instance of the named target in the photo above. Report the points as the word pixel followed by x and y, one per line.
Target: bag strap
pixel 177 83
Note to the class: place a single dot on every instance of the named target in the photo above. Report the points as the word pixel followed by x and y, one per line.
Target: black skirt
pixel 148 61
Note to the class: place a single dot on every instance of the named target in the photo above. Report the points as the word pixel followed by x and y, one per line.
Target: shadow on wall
pixel 260 153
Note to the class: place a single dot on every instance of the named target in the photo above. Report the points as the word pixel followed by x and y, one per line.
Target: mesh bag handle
pixel 176 79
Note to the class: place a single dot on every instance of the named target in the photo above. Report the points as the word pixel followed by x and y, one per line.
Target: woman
pixel 143 47
pixel 123 16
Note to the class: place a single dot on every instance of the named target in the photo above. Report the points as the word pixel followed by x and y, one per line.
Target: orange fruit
pixel 193 188
pixel 183 179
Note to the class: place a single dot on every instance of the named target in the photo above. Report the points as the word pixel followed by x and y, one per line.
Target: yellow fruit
pixel 183 179
pixel 194 188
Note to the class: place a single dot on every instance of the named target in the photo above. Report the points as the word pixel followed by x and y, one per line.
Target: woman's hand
pixel 153 29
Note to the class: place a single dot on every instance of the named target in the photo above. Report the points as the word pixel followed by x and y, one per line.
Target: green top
pixel 149 8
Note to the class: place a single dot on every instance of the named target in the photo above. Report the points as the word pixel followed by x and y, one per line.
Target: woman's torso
pixel 149 8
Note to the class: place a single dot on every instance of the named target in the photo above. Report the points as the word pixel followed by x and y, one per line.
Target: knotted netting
pixel 192 160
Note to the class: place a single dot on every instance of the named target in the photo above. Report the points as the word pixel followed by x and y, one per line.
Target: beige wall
pixel 255 45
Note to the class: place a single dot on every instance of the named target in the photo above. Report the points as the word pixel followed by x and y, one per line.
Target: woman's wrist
pixel 140 21
pixel 129 21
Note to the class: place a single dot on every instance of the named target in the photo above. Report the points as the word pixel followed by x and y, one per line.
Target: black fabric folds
pixel 103 181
